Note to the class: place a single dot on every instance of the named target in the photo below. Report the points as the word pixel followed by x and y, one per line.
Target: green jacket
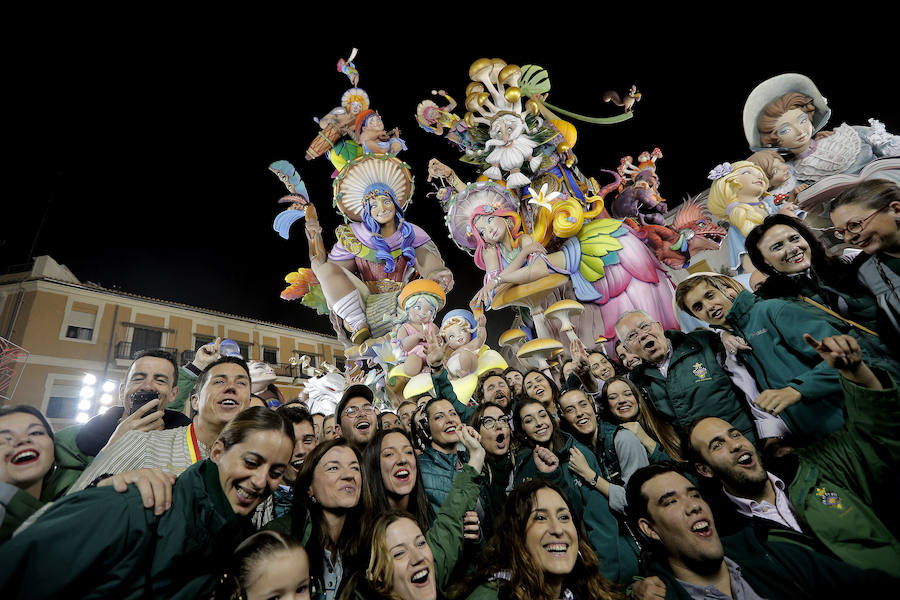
pixel 842 485
pixel 777 570
pixel 696 385
pixel 444 389
pixel 616 550
pixel 66 470
pixel 99 543
pixel 780 358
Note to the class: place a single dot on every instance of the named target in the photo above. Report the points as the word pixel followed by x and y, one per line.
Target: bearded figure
pixel 511 149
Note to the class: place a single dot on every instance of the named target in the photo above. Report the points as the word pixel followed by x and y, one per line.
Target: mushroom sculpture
pixel 563 311
pixel 540 349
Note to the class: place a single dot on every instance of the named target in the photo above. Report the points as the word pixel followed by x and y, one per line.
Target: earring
pixel 313 499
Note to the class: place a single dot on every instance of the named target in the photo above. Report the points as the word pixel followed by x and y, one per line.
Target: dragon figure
pixel 692 231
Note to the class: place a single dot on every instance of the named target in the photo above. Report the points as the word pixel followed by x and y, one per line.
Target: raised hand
pixel 545 460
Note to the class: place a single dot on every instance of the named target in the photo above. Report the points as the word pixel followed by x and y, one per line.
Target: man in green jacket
pixel 832 489
pixel 682 373
pixel 690 560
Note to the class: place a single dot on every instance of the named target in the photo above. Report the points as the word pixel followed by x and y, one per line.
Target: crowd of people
pixel 753 459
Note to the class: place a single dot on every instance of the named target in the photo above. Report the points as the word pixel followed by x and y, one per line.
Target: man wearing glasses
pixel 354 416
pixel 683 374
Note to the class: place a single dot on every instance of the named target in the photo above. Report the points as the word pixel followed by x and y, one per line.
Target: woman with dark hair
pixel 539 552
pixel 548 453
pixel 799 270
pixel 491 421
pixel 266 565
pixel 31 473
pixel 392 476
pixel 622 403
pixel 540 387
pixel 403 561
pixel 330 501
pixel 138 554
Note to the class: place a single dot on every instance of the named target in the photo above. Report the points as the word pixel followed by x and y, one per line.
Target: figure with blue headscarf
pixel 378 251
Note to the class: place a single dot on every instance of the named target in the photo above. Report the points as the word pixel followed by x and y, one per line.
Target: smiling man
pixel 832 490
pixel 683 373
pixel 354 416
pixel 691 561
pixel 222 391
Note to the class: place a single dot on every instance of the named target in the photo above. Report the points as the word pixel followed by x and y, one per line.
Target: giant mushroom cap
pixel 528 294
pixel 418 385
pixel 564 310
pixel 511 336
pixel 539 348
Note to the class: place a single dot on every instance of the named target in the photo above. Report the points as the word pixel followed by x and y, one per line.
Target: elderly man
pixel 834 490
pixel 692 562
pixel 222 391
pixel 683 373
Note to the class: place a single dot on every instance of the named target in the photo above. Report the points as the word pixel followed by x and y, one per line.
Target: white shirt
pixel 781 512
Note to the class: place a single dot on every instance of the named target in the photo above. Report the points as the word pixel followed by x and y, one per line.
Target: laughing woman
pixel 32 472
pixel 540 552
pixel 404 562
pixel 548 453
pixel 174 555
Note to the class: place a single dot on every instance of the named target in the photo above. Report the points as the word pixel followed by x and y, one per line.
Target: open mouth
pixel 624 407
pixel 402 474
pixel 229 403
pixel 501 441
pixel 420 577
pixel 348 489
pixel 25 457
pixel 557 550
pixel 701 528
pixel 542 431
pixel 450 430
pixel 297 463
pixel 582 421
pixel 363 426
pixel 245 497
pixel 796 258
pixel 716 314
pixel 745 459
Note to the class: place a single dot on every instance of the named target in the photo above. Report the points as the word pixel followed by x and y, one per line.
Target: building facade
pixel 73 330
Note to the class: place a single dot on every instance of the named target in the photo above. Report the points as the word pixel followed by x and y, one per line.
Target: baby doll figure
pixel 419 302
pixel 782 181
pixel 464 337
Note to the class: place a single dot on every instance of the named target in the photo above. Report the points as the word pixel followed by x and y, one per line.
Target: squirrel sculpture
pixel 627 103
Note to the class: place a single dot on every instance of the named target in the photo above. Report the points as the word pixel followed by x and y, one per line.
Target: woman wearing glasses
pixel 867 216
pixel 491 422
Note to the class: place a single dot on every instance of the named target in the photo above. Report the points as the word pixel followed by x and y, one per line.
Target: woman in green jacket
pixel 539 552
pixel 104 544
pixel 547 453
pixel 33 470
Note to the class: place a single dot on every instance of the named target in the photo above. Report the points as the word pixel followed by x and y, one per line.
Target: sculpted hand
pixel 434 347
pixel 775 401
pixel 545 460
pixel 207 354
pixel 154 485
pixel 145 418
pixel 578 464
pixel 651 588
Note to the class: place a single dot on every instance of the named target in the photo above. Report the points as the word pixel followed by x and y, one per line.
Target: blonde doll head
pixel 733 183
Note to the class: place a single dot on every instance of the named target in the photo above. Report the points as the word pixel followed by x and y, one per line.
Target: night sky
pixel 148 153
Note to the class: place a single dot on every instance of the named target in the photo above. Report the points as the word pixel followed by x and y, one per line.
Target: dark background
pixel 145 152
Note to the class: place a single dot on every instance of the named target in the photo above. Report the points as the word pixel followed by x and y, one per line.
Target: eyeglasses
pixel 633 335
pixel 352 411
pixel 856 226
pixel 491 423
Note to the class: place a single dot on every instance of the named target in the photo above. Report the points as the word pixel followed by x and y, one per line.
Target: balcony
pixel 128 350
